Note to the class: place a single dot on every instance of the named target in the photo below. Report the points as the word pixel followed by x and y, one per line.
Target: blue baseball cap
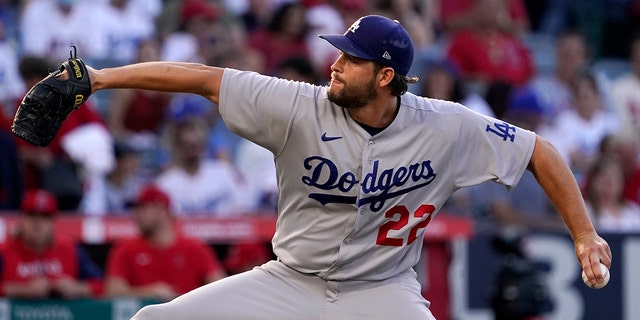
pixel 524 101
pixel 377 38
pixel 185 106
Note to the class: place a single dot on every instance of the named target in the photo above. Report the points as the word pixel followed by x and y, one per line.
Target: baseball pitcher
pixel 363 167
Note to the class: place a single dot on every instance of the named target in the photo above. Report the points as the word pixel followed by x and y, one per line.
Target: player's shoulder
pixel 243 78
pixel 240 82
pixel 424 104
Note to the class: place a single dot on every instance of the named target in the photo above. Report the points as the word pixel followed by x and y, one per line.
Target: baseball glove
pixel 50 101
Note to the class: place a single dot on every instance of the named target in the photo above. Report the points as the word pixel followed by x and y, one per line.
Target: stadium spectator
pixel 420 18
pixel 604 198
pixel 257 14
pixel 456 15
pixel 50 27
pixel 625 92
pixel 298 69
pixel 442 81
pixel 486 53
pixel 196 183
pixel 125 180
pixel 626 148
pixel 11 86
pixel 221 144
pixel 39 263
pixel 196 20
pixel 549 17
pixel 160 263
pixel 122 24
pixel 231 50
pixel 137 116
pixel 257 167
pixel 284 37
pixel 9 12
pixel 352 10
pixel 416 16
pixel 497 96
pixel 571 56
pixel 578 132
pixel 323 17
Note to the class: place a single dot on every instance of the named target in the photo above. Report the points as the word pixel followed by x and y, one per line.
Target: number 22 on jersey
pixel 399 218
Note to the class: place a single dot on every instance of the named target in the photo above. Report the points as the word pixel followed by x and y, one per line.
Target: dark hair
pixel 601 163
pixel 575 33
pixel 636 35
pixel 33 66
pixel 586 74
pixel 457 90
pixel 280 16
pixel 635 40
pixel 497 96
pixel 301 65
pixel 399 84
pixel 572 32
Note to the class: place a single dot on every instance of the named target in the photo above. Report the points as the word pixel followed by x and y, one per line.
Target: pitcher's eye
pixel 351 58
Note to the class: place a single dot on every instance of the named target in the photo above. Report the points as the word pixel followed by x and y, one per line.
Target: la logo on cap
pixel 355 26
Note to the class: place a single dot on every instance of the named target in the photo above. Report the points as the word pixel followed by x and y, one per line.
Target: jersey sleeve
pixel 490 149
pixel 261 108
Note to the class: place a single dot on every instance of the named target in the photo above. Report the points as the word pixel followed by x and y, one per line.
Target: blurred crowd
pixel 567 69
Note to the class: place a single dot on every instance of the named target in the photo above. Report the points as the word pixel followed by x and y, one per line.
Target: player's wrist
pixel 96 79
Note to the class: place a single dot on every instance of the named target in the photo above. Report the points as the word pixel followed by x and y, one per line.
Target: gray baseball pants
pixel 274 291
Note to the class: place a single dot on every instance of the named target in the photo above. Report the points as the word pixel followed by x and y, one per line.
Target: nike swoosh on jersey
pixel 327 138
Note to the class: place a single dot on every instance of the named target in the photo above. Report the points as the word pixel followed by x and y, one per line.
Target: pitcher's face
pixel 352 82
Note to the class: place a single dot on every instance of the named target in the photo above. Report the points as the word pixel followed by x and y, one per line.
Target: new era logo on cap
pixel 378 38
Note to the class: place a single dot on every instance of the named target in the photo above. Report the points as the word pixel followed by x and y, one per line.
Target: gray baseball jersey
pixel 354 206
